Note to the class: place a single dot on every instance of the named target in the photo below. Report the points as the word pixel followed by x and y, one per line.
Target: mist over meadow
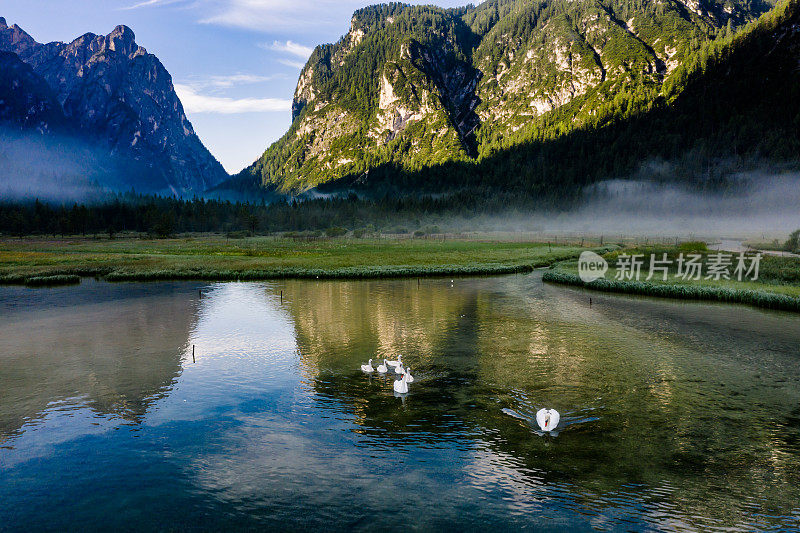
pixel 755 204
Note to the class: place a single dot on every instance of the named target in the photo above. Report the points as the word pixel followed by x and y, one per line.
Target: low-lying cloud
pixel 195 102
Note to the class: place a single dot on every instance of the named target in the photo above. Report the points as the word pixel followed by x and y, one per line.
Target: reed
pixel 51 281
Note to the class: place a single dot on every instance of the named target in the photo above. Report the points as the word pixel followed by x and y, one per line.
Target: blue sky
pixel 234 62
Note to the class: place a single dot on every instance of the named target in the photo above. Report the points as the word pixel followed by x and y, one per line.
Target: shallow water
pixel 674 415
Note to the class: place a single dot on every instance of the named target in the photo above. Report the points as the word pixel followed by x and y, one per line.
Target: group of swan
pixel 547 419
pixel 400 385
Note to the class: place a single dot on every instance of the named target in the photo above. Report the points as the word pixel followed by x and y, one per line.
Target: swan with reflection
pixel 409 377
pixel 399 369
pixel 399 361
pixel 367 367
pixel 401 385
pixel 547 419
pixel 382 368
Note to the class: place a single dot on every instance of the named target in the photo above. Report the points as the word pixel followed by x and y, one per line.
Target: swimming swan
pixel 367 367
pixel 401 385
pixel 409 377
pixel 547 419
pixel 382 368
pixel 396 363
pixel 399 369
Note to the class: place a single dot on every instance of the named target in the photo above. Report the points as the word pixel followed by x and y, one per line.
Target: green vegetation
pixel 163 217
pixel 755 297
pixel 659 84
pixel 777 286
pixel 213 257
pixel 793 243
pixel 49 281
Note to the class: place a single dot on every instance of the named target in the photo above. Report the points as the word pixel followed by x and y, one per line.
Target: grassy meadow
pixel 777 287
pixel 35 260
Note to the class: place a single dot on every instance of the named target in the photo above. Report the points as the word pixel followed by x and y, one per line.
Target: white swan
pixel 401 385
pixel 382 367
pixel 409 377
pixel 399 369
pixel 396 363
pixel 367 367
pixel 547 419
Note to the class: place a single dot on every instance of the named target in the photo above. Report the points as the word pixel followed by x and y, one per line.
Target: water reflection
pixel 116 353
pixel 273 422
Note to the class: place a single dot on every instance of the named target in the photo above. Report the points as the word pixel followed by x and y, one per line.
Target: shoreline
pixel 388 272
pixel 752 297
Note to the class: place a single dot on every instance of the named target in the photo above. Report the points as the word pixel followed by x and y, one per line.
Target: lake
pixel 674 415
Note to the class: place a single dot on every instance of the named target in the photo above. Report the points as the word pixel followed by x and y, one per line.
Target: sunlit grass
pixel 776 288
pixel 214 257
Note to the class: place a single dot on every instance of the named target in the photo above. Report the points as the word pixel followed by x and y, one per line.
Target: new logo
pixel 591 267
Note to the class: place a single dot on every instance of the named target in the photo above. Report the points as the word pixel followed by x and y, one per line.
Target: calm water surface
pixel 675 415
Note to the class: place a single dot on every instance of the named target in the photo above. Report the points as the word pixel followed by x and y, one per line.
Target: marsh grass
pixel 51 281
pixel 778 286
pixel 216 258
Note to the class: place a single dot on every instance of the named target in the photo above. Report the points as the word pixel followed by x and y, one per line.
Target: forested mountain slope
pixel 430 98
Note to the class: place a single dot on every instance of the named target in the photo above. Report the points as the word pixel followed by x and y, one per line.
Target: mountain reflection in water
pixel 273 423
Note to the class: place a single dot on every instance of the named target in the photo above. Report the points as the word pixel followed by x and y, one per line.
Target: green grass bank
pixel 215 258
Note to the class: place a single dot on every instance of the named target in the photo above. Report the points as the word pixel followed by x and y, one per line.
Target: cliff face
pixel 26 100
pixel 414 86
pixel 112 92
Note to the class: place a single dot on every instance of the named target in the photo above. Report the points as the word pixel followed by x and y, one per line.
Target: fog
pixel 752 205
pixel 50 168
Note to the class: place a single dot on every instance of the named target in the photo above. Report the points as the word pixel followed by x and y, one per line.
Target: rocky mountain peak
pixel 14 39
pixel 115 93
pixel 122 40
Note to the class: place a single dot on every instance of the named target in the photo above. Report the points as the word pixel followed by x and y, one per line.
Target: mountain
pixel 26 100
pixel 423 96
pixel 109 92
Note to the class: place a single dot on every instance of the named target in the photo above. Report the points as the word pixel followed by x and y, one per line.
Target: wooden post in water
pixel 590 302
pixel 193 353
pixel 281 297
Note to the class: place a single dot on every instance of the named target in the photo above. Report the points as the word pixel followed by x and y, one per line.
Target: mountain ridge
pixel 415 87
pixel 113 93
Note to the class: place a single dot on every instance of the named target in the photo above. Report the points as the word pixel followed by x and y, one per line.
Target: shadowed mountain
pixel 110 93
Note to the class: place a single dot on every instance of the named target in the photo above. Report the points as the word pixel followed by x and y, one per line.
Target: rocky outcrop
pixel 115 93
pixel 415 86
pixel 26 100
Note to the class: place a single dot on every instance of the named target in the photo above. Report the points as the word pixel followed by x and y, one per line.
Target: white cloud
pixel 151 3
pixel 194 102
pixel 291 47
pixel 227 82
pixel 279 15
pixel 289 63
